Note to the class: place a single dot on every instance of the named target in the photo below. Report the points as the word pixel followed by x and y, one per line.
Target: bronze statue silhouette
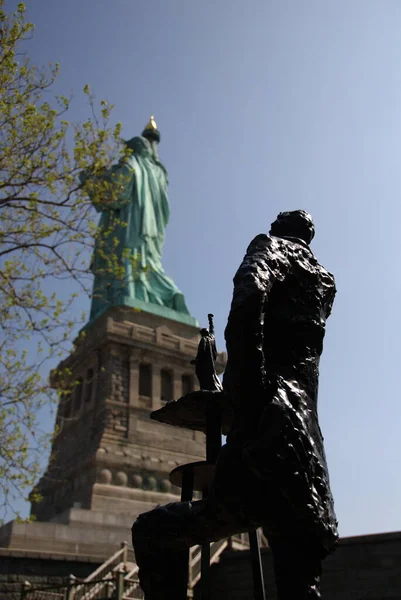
pixel 272 471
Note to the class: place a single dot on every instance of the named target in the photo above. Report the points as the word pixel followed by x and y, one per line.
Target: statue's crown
pixel 151 132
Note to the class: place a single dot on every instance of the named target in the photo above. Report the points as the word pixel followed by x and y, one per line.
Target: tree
pixel 46 228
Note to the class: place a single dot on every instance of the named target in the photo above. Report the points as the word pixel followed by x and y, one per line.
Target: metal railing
pixel 115 586
pixel 28 592
pixel 117 577
pixel 45 595
pixel 131 584
pixel 104 575
pixel 195 556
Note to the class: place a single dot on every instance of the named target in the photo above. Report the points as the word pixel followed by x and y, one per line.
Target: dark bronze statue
pixel 272 471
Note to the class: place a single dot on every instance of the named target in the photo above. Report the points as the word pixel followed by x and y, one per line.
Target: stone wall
pixel 362 568
pixel 40 569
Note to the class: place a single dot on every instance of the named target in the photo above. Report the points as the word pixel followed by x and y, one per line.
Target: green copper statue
pixel 128 251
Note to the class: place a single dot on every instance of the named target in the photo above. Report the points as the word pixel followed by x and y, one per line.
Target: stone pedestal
pixel 109 458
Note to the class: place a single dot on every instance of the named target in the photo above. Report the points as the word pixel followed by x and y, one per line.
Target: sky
pixel 264 106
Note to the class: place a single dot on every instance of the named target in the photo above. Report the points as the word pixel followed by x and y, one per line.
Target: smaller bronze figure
pixel 206 358
pixel 272 471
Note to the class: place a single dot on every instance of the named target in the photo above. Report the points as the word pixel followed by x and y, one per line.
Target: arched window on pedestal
pixel 78 394
pixel 166 385
pixel 145 380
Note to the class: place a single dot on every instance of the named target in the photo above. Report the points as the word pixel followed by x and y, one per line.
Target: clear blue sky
pixel 264 106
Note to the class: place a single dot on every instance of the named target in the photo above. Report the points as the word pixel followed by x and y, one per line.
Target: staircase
pixel 239 542
pixel 117 577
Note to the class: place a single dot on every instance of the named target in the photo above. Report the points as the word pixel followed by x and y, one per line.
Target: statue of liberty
pixel 127 256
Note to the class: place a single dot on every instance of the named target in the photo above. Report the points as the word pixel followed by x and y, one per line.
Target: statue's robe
pixel 128 251
pixel 273 471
